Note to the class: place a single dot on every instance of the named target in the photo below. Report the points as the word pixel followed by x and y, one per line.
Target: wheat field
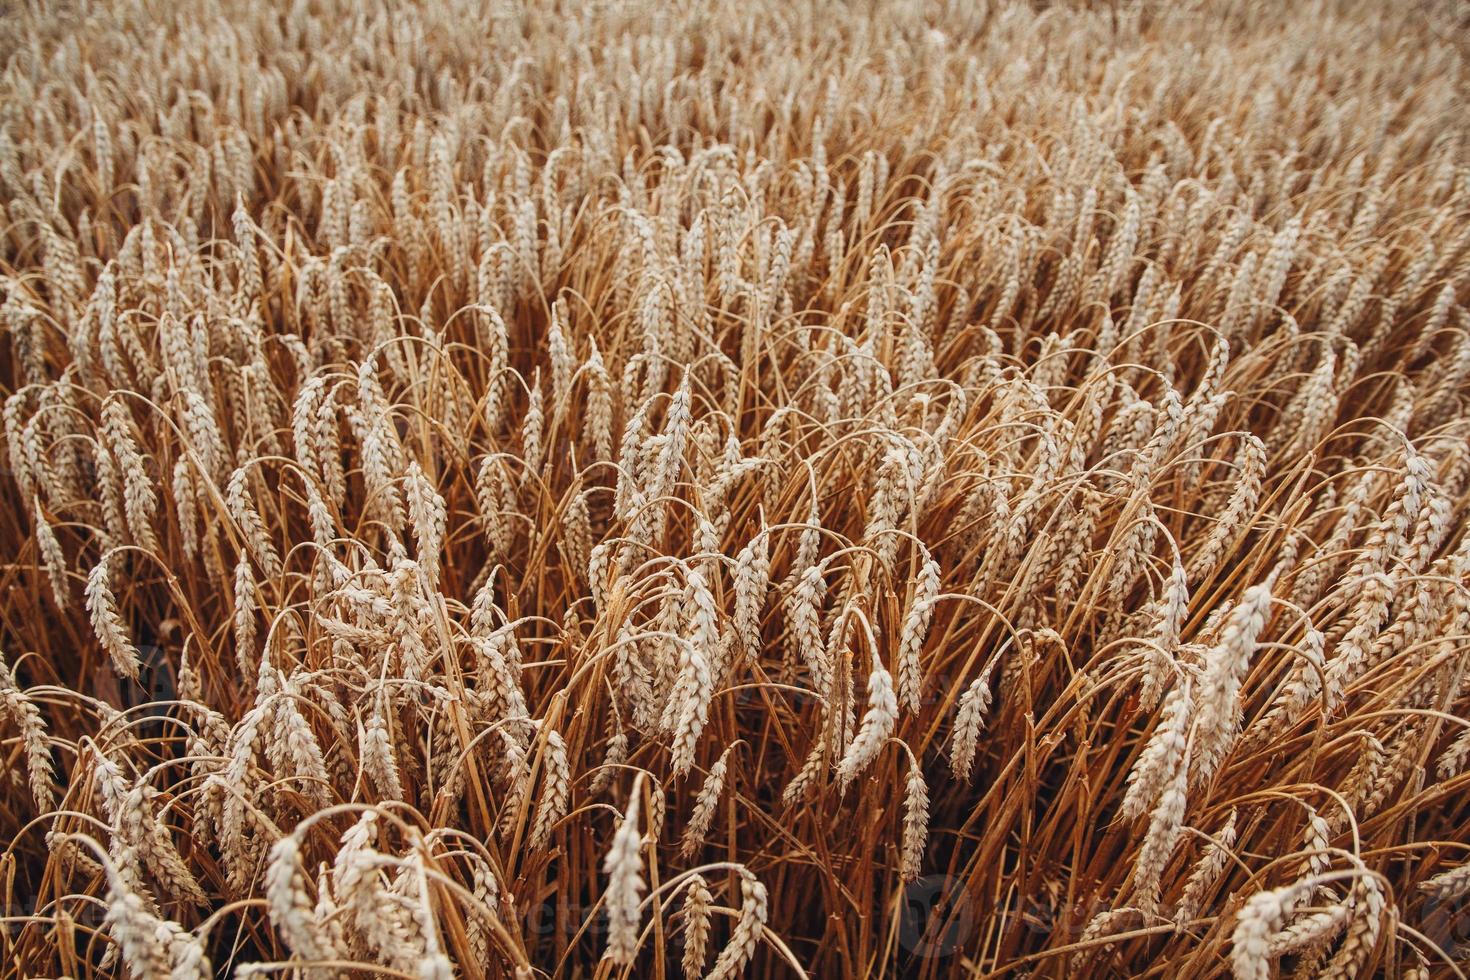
pixel 756 488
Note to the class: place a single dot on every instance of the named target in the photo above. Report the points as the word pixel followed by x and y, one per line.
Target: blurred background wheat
pixel 762 488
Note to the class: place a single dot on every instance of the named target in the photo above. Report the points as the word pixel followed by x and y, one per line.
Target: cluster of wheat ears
pixel 751 487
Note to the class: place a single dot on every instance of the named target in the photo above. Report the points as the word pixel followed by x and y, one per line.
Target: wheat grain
pixel 1448 885
pixel 697 901
pixel 911 637
pixel 1254 926
pixel 1364 923
pixel 915 823
pixel 704 805
pixel 555 789
pixel 27 717
pixel 106 623
pixel 877 725
pixel 747 932
pixel 1206 873
pixel 1165 825
pixel 290 909
pixel 623 867
pixel 1168 744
